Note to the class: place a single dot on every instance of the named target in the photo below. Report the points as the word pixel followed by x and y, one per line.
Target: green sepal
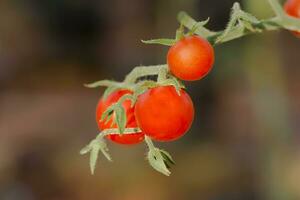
pixel 173 82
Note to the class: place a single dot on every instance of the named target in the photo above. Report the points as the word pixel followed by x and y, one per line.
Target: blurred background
pixel 244 141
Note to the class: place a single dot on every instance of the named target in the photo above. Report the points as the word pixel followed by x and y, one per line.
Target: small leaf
pixel 121 118
pixel 157 162
pixel 94 157
pixel 108 91
pixel 137 93
pixel 248 17
pixel 97 145
pixel 109 111
pixel 167 156
pixel 277 8
pixel 104 150
pixel 189 23
pixel 85 149
pixel 290 23
pixel 108 118
pixel 234 16
pixel 179 32
pixel 102 83
pixel 235 33
pixel 198 25
pixel 173 82
pixel 162 41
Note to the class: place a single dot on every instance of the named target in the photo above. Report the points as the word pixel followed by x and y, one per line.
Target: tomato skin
pixel 292 8
pixel 191 58
pixel 163 115
pixel 131 121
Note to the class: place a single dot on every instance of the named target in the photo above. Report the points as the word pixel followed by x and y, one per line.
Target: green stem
pixel 143 71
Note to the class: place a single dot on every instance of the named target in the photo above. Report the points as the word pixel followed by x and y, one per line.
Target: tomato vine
pixel 240 24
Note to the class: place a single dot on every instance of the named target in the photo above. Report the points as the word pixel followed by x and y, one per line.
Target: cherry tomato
pixel 131 121
pixel 164 115
pixel 191 58
pixel 292 8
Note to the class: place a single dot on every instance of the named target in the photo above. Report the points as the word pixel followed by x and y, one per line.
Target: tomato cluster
pixel 161 113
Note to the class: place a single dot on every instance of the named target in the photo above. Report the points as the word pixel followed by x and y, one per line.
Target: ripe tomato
pixel 191 58
pixel 292 8
pixel 131 122
pixel 164 115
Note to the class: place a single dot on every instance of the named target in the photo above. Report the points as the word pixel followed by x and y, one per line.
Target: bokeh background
pixel 243 145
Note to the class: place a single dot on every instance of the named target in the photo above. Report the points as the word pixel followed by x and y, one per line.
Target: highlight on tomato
pixel 292 8
pixel 103 104
pixel 191 58
pixel 163 114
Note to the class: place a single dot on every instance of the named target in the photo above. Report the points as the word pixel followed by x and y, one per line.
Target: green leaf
pixel 109 91
pixel 102 83
pixel 142 71
pixel 190 23
pixel 277 8
pixel 198 25
pixel 290 23
pixel 235 33
pixel 137 93
pixel 95 146
pixel 121 118
pixel 167 156
pixel 109 111
pixel 162 41
pixel 234 16
pixel 173 82
pixel 108 118
pixel 248 17
pixel 156 160
pixel 85 149
pixel 179 33
pixel 104 150
pixel 94 157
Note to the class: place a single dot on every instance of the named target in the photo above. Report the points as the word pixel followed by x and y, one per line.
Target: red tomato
pixel 292 8
pixel 131 122
pixel 164 115
pixel 191 58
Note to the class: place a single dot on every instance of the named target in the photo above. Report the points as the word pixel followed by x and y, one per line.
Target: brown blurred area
pixel 244 141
